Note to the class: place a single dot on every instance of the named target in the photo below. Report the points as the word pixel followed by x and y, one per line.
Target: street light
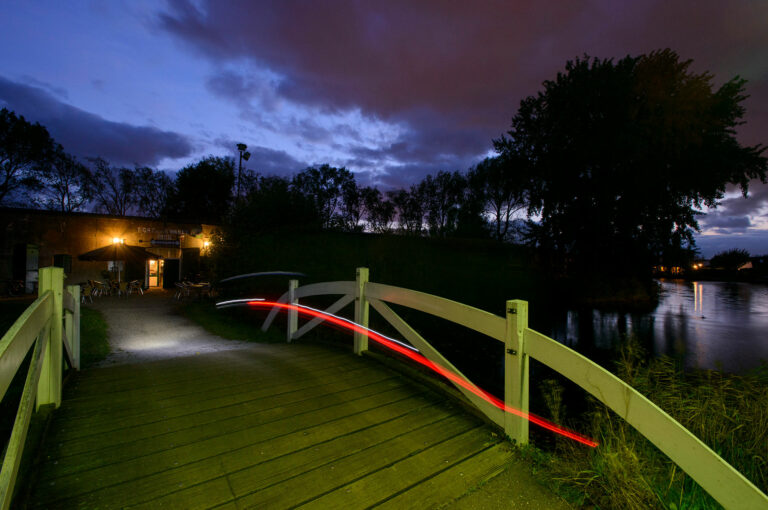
pixel 244 155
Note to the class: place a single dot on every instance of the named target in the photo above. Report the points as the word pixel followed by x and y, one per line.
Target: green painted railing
pixel 50 326
pixel 724 483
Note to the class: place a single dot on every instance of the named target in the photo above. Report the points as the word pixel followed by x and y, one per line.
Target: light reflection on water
pixel 714 325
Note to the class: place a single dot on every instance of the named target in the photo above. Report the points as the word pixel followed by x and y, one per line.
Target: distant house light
pixel 206 244
pixel 117 240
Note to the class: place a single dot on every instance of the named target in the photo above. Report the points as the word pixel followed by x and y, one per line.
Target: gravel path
pixel 147 328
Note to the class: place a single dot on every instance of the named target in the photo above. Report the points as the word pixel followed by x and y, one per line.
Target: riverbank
pixel 727 412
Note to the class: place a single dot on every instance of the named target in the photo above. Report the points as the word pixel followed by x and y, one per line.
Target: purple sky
pixel 392 90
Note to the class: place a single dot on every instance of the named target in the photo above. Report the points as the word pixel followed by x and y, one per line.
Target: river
pixel 710 325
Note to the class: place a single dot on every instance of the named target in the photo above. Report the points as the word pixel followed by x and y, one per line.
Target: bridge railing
pixel 50 327
pixel 521 343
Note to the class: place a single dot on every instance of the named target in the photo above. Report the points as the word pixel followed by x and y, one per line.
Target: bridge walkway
pixel 179 418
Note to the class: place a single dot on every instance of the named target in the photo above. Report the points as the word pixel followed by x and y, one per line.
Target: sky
pixel 392 90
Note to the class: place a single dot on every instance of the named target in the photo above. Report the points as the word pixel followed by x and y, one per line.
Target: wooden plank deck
pixel 273 426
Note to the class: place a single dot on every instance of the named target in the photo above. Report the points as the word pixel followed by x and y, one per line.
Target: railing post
pixel 516 371
pixel 361 309
pixel 72 324
pixel 293 315
pixel 49 387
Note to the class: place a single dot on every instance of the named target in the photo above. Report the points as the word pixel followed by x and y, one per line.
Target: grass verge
pixel 94 337
pixel 728 412
pixel 230 323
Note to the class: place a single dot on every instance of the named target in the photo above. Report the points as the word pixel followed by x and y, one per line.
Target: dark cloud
pixel 454 72
pixel 85 134
pixel 53 89
pixel 727 224
pixel 756 199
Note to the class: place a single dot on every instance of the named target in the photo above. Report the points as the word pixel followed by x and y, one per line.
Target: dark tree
pixel 273 206
pixel 352 208
pixel 409 208
pixel 496 182
pixel 325 185
pixel 23 149
pixel 621 156
pixel 379 213
pixel 112 188
pixel 151 189
pixel 203 191
pixel 65 183
pixel 730 259
pixel 443 195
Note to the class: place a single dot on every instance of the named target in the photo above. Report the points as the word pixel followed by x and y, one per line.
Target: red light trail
pixel 419 358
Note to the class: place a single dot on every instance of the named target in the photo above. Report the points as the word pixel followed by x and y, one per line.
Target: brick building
pixel 32 238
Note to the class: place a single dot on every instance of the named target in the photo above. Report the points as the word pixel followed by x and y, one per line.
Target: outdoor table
pixel 199 289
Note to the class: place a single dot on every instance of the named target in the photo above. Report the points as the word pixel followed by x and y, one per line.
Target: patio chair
pixel 99 288
pixel 135 285
pixel 86 292
pixel 181 291
pixel 122 289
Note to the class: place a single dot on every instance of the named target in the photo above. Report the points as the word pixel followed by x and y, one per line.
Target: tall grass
pixel 728 412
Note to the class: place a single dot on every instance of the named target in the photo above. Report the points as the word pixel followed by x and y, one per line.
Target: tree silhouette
pixel 273 206
pixel 23 148
pixel 496 182
pixel 379 213
pixel 730 259
pixel 325 185
pixel 151 189
pixel 202 191
pixel 619 157
pixel 409 209
pixel 112 188
pixel 443 195
pixel 352 208
pixel 65 184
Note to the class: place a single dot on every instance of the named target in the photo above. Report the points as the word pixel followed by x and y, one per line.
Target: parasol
pixel 118 252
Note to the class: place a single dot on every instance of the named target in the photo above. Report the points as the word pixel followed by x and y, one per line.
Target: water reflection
pixel 716 325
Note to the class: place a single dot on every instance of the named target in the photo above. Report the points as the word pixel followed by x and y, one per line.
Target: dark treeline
pixel 39 173
pixel 610 165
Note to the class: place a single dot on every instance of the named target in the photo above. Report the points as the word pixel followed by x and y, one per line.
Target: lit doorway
pixel 155 273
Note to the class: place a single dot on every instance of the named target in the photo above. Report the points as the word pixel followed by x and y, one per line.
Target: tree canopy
pixel 621 156
pixel 23 148
pixel 203 191
pixel 730 259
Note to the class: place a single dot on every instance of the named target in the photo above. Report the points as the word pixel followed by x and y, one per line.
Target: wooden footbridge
pixel 295 425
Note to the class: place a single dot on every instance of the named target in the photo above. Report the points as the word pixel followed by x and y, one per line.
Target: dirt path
pixel 146 328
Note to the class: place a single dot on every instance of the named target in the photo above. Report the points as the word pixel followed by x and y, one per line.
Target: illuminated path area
pixel 265 426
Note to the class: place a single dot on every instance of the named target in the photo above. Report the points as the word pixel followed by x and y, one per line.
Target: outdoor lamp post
pixel 244 155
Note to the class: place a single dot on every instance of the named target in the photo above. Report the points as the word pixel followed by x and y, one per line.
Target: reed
pixel 728 412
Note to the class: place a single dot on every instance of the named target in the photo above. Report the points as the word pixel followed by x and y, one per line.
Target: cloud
pixel 85 134
pixel 727 224
pixel 452 74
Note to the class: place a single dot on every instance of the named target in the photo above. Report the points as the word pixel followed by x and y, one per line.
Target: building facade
pixel 31 238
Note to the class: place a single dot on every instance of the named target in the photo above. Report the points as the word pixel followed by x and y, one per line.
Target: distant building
pixel 31 238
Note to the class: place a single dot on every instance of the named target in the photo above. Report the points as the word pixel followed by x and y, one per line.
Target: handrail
pixel 51 323
pixel 484 322
pixel 12 459
pixel 721 480
pixel 16 342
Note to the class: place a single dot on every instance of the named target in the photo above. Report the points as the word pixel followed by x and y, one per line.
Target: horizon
pixel 392 92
